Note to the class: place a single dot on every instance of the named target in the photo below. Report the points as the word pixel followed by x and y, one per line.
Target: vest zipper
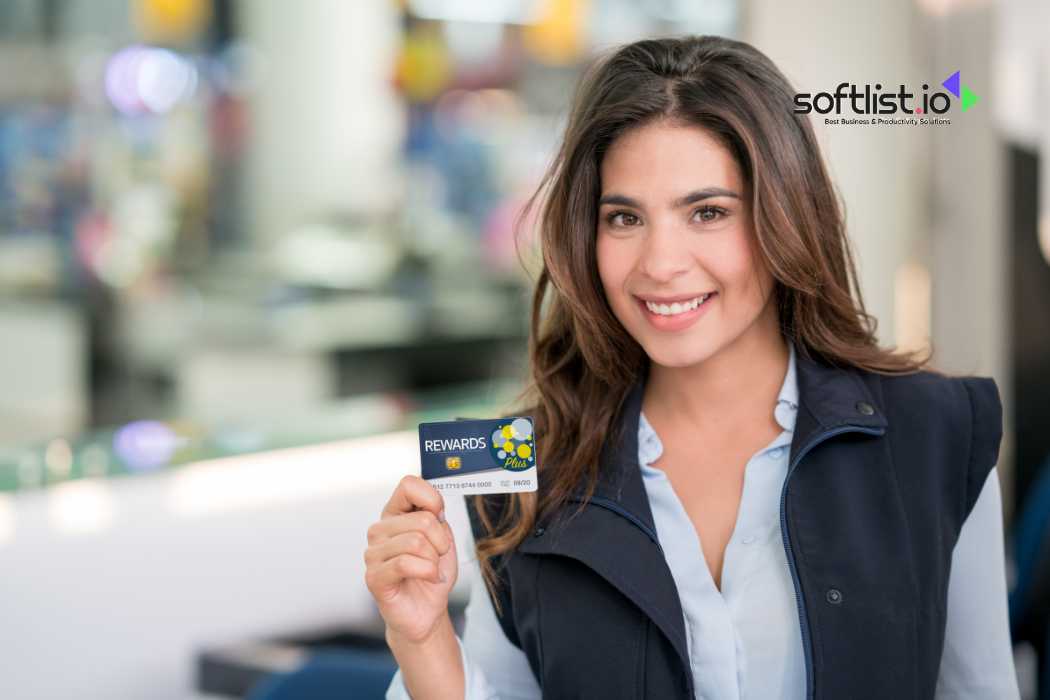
pixel 800 603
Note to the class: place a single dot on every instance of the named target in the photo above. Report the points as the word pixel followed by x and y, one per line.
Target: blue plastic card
pixel 479 456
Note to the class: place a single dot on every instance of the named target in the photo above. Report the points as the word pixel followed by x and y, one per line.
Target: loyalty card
pixel 479 456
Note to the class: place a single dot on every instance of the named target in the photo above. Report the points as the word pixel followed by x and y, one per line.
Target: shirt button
pixel 834 596
pixel 776 452
pixel 749 539
pixel 539 531
pixel 865 408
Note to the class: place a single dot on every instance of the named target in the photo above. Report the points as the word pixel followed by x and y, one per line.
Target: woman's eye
pixel 710 213
pixel 629 219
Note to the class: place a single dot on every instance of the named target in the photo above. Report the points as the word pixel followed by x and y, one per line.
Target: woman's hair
pixel 583 362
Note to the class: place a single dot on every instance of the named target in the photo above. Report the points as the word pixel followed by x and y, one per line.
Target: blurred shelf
pixel 146 446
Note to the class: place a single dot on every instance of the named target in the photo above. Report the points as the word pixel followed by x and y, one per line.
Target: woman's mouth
pixel 678 315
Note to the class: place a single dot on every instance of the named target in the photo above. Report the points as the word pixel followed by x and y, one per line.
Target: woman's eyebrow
pixel 683 201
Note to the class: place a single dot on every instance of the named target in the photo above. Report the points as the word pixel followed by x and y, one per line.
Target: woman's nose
pixel 664 254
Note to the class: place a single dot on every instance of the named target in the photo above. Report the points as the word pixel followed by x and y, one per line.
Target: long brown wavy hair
pixel 582 361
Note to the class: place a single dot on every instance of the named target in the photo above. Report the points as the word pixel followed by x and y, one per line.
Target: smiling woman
pixel 684 174
pixel 741 494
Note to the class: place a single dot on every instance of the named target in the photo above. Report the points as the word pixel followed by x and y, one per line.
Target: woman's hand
pixel 411 562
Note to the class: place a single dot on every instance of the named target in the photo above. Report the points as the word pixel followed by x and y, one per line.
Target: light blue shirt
pixel 744 641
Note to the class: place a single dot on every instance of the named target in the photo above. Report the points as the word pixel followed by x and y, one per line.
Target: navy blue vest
pixel 883 472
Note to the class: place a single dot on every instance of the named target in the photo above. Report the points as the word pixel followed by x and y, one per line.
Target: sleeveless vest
pixel 883 472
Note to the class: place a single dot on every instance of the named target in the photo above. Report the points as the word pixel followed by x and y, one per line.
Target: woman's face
pixel 673 226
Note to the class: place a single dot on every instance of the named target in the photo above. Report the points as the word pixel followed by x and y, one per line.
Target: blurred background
pixel 247 245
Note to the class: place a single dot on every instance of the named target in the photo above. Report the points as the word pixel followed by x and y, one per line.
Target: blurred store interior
pixel 246 246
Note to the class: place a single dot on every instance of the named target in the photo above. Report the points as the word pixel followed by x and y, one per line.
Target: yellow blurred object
pixel 453 462
pixel 170 21
pixel 423 68
pixel 558 37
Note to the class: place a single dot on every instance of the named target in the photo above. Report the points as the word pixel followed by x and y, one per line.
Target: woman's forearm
pixel 431 669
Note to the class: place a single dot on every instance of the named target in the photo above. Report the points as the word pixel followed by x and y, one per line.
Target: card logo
pixel 512 444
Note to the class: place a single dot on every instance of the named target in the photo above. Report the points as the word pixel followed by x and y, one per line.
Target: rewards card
pixel 479 456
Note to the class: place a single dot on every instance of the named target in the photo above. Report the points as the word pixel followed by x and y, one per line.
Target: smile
pixel 677 315
pixel 677 307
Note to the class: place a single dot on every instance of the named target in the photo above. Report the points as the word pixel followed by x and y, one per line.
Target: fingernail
pixel 441 516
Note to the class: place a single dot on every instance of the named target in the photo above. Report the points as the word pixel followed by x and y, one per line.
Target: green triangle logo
pixel 968 98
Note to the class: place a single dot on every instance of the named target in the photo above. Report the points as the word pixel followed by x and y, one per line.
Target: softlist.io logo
pixel 869 100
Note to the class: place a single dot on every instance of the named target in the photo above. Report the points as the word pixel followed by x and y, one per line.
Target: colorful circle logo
pixel 513 445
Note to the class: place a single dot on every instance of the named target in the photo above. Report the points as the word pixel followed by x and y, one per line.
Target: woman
pixel 741 494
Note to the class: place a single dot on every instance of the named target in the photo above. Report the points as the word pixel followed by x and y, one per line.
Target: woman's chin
pixel 676 353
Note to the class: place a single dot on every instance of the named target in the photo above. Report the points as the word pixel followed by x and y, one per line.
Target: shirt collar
pixel 784 411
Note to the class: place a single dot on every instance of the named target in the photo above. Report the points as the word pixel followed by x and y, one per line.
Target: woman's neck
pixel 736 384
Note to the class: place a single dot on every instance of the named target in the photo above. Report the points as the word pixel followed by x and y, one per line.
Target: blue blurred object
pixel 331 675
pixel 1030 597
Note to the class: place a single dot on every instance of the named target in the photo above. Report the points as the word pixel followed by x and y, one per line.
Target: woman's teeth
pixel 676 307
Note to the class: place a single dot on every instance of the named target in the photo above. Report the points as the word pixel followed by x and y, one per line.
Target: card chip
pixel 453 462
